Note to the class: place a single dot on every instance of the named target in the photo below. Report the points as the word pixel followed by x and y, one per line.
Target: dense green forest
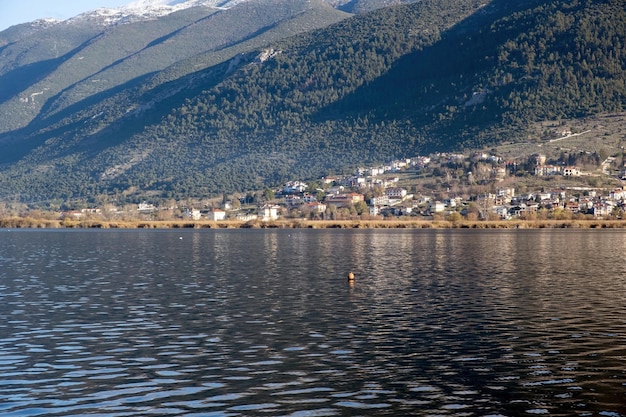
pixel 410 79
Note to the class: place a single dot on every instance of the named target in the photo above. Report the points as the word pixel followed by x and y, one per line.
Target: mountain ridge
pixel 430 76
pixel 152 9
pixel 87 64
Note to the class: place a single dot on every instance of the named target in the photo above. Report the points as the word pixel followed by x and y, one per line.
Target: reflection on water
pixel 264 322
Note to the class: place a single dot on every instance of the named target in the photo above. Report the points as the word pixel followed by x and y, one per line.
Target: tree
pixel 361 207
pixel 454 217
pixel 331 212
pixel 319 195
pixel 268 194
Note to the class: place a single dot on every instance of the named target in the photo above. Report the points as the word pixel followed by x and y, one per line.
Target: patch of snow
pixel 149 9
pixel 47 21
pixel 44 23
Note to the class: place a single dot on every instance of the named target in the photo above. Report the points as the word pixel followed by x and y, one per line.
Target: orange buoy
pixel 350 276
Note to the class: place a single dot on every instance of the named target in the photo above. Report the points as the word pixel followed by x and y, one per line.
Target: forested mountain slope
pixel 430 76
pixel 55 66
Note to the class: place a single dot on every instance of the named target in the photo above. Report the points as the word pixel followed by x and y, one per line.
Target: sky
pixel 13 12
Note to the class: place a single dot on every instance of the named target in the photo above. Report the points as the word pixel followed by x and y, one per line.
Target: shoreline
pixel 30 223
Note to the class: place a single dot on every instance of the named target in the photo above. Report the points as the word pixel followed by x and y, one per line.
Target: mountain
pixel 60 64
pixel 205 100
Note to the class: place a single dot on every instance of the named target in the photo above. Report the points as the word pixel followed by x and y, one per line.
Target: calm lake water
pixel 265 322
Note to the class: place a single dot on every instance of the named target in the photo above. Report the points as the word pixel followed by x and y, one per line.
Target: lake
pixel 265 322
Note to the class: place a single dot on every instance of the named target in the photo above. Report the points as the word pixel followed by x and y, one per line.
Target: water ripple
pixel 231 323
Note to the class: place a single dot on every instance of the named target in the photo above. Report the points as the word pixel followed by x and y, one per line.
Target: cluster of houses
pixel 375 191
pixel 504 203
pixel 575 200
pixel 542 170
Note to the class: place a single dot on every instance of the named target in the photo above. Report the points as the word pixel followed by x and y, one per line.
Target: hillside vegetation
pixel 399 81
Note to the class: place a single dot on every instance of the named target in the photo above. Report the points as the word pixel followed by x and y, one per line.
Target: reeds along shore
pixel 31 223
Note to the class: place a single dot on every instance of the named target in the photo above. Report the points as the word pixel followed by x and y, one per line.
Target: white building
pixel 395 193
pixel 146 208
pixel 436 207
pixel 316 207
pixel 193 214
pixel 268 212
pixel 294 187
pixel 571 172
pixel 544 170
pixel 217 215
pixel 383 200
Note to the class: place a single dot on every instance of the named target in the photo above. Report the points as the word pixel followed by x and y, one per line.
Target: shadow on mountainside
pixel 421 84
pixel 18 80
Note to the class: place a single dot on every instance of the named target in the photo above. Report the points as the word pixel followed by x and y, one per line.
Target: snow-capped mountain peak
pixel 150 9
pixel 149 6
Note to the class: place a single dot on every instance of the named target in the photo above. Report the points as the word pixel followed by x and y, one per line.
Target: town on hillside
pixel 452 186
